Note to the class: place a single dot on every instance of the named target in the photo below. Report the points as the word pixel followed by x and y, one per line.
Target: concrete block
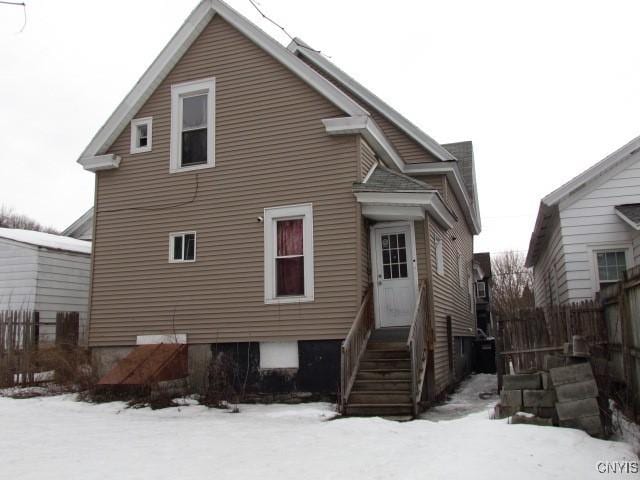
pixel 577 391
pixel 573 374
pixel 546 381
pixel 591 424
pixel 511 398
pixel 579 408
pixel 553 361
pixel 523 381
pixel 538 398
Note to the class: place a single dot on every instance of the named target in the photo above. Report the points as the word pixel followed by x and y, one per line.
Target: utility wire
pixel 24 11
pixel 252 2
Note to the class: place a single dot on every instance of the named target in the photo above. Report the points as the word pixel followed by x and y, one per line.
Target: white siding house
pixel 587 231
pixel 46 273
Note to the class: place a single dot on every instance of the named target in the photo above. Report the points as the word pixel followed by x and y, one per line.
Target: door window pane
pixel 394 256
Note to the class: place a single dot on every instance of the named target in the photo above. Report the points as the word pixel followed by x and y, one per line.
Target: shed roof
pixel 385 180
pixel 630 213
pixel 47 240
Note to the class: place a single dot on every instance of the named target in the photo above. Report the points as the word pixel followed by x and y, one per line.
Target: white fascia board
pixel 100 162
pixel 298 46
pixel 386 213
pixel 178 45
pixel 454 176
pixel 579 183
pixel 627 220
pixel 367 127
pixel 431 202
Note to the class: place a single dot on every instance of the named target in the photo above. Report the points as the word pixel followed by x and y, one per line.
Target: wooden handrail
pixel 416 344
pixel 354 346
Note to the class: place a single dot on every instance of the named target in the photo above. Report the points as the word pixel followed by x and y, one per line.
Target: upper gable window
pixel 192 125
pixel 141 135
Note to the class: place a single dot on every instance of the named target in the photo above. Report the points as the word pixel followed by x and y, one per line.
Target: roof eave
pixel 298 46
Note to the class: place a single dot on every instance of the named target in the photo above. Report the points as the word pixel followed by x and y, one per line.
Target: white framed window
pixel 481 289
pixel 275 355
pixel 288 254
pixel 439 256
pixel 182 247
pixel 192 125
pixel 141 134
pixel 610 266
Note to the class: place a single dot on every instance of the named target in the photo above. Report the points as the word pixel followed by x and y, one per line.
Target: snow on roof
pixel 47 240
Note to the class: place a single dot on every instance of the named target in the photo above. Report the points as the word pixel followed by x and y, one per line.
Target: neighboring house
pixel 248 195
pixel 587 231
pixel 46 273
pixel 82 228
pixel 482 277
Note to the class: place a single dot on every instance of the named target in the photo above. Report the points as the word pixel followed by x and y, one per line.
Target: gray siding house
pixel 46 273
pixel 587 231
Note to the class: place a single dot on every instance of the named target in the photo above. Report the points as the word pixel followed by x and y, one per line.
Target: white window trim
pixel 304 211
pixel 439 254
pixel 135 123
pixel 179 91
pixel 484 289
pixel 593 250
pixel 172 236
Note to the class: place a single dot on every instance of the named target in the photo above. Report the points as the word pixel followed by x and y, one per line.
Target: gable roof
pixel 357 121
pixel 47 240
pixel 573 190
pixel 630 213
pixel 383 179
pixel 80 225
pixel 178 45
pixel 484 260
pixel 299 47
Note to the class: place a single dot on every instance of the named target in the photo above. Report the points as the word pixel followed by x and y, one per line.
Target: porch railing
pixel 416 344
pixel 354 346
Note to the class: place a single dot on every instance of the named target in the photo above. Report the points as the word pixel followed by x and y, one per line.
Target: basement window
pixel 141 135
pixel 182 247
pixel 275 355
pixel 192 125
pixel 288 254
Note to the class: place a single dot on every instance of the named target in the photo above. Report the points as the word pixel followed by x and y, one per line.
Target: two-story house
pixel 256 198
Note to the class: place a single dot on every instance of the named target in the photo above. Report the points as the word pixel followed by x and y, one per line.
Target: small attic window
pixel 141 129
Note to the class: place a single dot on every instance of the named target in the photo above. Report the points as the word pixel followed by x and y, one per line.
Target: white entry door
pixel 395 280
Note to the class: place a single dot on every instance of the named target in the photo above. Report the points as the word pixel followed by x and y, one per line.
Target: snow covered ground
pixel 59 438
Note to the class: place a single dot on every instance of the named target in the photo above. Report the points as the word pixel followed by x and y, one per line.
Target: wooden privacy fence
pixel 621 307
pixel 610 326
pixel 19 332
pixel 20 335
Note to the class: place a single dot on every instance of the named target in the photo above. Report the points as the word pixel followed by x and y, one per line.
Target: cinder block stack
pixel 530 393
pixel 577 398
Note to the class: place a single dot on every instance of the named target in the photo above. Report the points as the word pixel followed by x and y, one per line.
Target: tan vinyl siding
pixel 448 296
pixel 271 150
pixel 367 158
pixel 409 149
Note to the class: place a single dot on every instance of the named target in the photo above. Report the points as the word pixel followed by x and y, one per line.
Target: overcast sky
pixel 544 89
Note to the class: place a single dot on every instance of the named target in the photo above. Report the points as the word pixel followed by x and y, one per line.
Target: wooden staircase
pixel 383 381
